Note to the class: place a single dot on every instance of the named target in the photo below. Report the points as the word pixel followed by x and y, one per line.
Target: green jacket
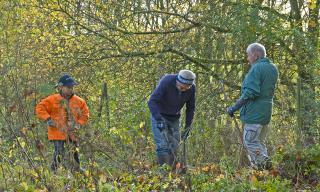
pixel 258 86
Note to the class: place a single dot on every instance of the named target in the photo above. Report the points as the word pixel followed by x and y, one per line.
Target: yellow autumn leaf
pixel 142 124
pixel 24 130
pixel 312 23
pixel 206 169
pixel 33 173
pixel 170 176
pixel 103 178
pixel 87 173
pixel 22 143
pixel 312 4
pixel 10 153
pixel 91 186
pixel 165 185
pixel 24 185
pixel 253 179
pixel 42 38
pixel 178 180
pixel 219 177
pixel 214 167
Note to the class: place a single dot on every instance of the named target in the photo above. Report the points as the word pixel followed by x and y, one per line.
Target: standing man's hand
pixel 230 111
pixel 240 102
pixel 51 123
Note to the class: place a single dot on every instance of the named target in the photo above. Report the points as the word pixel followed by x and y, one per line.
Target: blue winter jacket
pixel 166 100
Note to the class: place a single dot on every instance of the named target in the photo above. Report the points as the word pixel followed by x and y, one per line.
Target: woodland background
pixel 117 51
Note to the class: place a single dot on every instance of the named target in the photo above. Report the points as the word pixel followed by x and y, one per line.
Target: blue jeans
pixel 254 138
pixel 167 141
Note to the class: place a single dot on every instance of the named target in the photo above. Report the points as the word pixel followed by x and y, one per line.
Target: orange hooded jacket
pixel 55 107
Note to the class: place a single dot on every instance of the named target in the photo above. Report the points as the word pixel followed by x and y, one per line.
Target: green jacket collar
pixel 262 60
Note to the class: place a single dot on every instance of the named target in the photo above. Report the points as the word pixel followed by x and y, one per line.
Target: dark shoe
pixel 268 164
pixel 265 165
pixel 54 166
pixel 163 159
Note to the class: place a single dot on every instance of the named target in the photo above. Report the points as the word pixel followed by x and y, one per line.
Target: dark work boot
pixel 265 165
pixel 268 164
pixel 162 159
pixel 54 166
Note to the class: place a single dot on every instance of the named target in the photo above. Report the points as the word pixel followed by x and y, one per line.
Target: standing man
pixel 256 105
pixel 166 101
pixel 63 113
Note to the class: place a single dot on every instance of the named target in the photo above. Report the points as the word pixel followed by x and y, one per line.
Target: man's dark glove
pixel 231 110
pixel 160 125
pixel 185 133
pixel 51 123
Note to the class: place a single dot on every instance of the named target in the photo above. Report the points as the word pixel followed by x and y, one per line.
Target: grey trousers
pixel 254 139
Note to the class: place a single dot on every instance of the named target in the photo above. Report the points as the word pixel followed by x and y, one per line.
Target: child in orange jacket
pixel 64 113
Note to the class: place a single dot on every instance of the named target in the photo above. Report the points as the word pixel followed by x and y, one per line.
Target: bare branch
pixel 263 8
pixel 169 13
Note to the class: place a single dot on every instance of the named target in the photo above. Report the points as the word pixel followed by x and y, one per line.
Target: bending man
pixel 171 94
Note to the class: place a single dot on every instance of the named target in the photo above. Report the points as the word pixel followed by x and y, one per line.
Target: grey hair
pixel 257 48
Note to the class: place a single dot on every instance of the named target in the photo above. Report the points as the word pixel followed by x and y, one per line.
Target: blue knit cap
pixel 186 77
